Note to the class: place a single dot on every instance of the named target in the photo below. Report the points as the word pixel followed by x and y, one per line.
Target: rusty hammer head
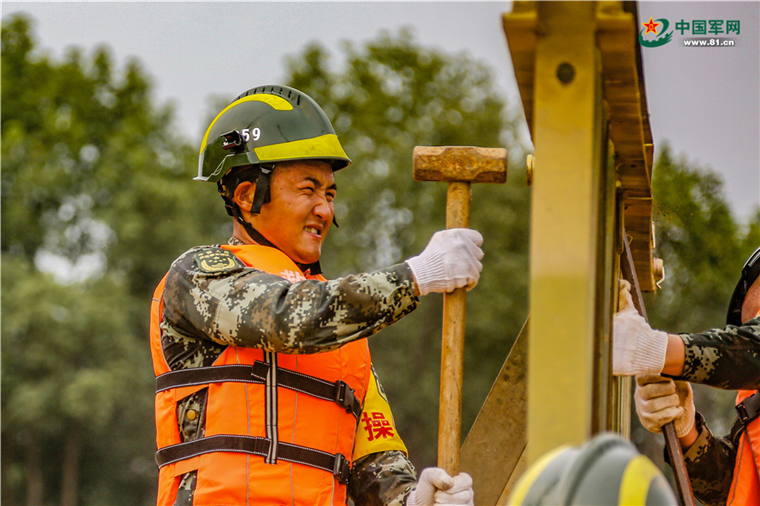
pixel 464 164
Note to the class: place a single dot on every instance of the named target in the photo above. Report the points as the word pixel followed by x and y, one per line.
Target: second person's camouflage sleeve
pixel 710 465
pixel 726 358
pixel 243 306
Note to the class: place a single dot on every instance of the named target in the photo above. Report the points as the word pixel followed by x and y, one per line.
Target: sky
pixel 703 101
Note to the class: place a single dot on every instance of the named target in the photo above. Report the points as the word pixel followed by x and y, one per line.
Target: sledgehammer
pixel 459 166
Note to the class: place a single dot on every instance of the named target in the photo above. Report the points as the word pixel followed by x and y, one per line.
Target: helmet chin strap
pixel 262 194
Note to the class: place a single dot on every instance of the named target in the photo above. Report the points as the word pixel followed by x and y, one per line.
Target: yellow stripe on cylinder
pixel 637 478
pixel 530 476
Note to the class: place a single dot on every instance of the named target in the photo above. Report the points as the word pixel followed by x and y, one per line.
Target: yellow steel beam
pixel 623 88
pixel 564 249
pixel 578 67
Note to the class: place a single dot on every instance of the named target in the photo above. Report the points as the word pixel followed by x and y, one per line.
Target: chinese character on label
pixel 377 426
pixel 292 276
pixel 716 26
pixel 732 25
pixel 699 27
pixel 682 25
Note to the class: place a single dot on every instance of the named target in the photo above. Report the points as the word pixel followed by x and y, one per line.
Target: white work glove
pixel 636 347
pixel 450 260
pixel 436 488
pixel 661 400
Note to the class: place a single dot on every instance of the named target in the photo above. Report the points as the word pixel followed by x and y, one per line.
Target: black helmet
pixel 264 125
pixel 750 273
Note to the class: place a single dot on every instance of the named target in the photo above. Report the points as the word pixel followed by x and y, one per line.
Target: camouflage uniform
pixel 204 312
pixel 725 358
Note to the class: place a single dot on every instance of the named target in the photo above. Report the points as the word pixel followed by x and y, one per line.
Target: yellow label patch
pixel 216 260
pixel 376 431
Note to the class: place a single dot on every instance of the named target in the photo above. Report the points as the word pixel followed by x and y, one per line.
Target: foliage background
pixel 97 200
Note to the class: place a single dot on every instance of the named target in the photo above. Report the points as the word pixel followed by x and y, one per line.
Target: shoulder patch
pixel 217 260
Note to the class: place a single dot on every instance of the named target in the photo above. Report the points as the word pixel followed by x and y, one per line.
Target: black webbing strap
pixel 262 194
pixel 748 410
pixel 335 464
pixel 338 392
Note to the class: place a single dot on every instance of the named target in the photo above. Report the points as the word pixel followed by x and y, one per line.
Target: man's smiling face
pixel 300 212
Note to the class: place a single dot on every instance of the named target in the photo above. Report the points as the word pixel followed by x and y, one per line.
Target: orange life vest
pixel 279 428
pixel 745 487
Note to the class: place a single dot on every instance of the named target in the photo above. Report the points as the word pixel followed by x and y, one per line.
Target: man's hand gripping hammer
pixel 459 166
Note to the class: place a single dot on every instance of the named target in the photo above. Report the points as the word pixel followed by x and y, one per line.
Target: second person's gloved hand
pixel 636 347
pixel 661 400
pixel 451 260
pixel 436 488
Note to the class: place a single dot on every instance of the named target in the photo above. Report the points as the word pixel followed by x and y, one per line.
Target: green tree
pixel 389 95
pixel 96 203
pixel 703 247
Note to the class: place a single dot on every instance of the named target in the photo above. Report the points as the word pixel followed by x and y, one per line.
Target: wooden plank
pixel 617 28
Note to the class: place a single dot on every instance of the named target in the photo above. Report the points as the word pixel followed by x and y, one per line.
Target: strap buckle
pixel 749 408
pixel 344 395
pixel 744 416
pixel 748 411
pixel 260 370
pixel 341 469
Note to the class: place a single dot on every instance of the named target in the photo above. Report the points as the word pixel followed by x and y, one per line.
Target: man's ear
pixel 243 195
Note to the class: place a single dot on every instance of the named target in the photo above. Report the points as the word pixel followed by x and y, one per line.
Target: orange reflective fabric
pixel 227 478
pixel 745 487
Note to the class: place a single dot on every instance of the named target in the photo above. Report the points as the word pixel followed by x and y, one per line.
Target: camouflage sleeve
pixel 382 479
pixel 247 307
pixel 726 358
pixel 710 464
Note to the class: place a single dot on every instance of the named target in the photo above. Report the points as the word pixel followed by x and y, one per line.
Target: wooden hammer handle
pixel 452 351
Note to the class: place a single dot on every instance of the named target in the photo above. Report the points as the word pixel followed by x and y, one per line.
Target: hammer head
pixel 460 163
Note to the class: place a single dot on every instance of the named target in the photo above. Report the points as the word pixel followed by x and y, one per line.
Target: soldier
pixel 721 470
pixel 265 388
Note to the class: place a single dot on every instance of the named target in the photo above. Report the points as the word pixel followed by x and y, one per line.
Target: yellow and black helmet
pixel 265 125
pixel 606 471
